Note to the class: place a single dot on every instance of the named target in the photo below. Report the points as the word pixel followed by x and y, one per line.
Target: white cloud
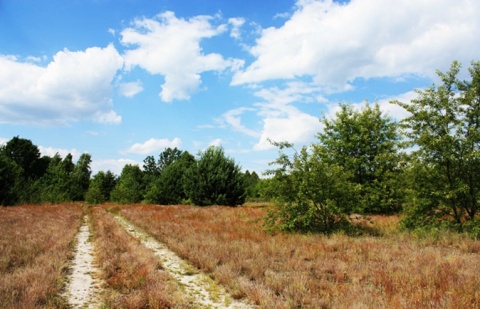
pixel 233 119
pixel 216 142
pixel 51 151
pixel 113 165
pixel 130 89
pixel 287 124
pixel 74 86
pixel 335 43
pixel 170 46
pixel 236 23
pixel 284 122
pixel 153 145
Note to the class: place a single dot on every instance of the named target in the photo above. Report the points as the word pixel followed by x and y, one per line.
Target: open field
pixel 289 271
pixel 131 271
pixel 395 270
pixel 36 243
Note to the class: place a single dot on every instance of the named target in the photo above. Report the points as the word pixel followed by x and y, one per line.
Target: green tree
pixel 167 157
pixel 80 177
pixel 10 181
pixel 100 187
pixel 168 188
pixel 366 143
pixel 214 179
pixel 56 185
pixel 311 194
pixel 251 185
pixel 444 124
pixel 26 155
pixel 130 187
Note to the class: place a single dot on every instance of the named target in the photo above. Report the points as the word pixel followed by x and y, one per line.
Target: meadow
pixel 391 270
pixel 36 244
pixel 385 268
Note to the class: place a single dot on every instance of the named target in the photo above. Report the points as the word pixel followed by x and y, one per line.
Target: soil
pixel 82 288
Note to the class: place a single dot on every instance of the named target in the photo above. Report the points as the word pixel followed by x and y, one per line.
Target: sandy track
pixel 205 292
pixel 82 289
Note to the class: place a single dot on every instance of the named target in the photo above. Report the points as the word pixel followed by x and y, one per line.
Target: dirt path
pixel 206 292
pixel 82 289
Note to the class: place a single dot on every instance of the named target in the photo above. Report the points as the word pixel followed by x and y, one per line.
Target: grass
pixel 390 270
pixel 133 275
pixel 395 270
pixel 36 243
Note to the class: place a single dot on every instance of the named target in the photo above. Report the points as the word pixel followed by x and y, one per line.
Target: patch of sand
pixel 82 289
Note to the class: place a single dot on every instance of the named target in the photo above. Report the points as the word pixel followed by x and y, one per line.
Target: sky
pixel 125 79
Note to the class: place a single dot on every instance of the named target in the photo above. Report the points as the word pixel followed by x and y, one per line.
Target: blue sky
pixel 124 79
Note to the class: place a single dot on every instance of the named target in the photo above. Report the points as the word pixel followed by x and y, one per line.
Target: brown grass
pixel 36 243
pixel 396 270
pixel 132 273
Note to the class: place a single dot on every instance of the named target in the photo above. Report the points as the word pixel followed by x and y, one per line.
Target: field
pixel 390 270
pixel 36 243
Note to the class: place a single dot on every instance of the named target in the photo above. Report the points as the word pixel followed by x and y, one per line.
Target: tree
pixel 100 187
pixel 168 188
pixel 26 155
pixel 444 124
pixel 81 177
pixel 214 179
pixel 56 185
pixel 366 143
pixel 167 157
pixel 311 194
pixel 251 181
pixel 10 180
pixel 130 187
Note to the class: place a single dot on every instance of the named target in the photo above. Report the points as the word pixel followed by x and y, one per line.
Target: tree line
pixel 426 167
pixel 176 177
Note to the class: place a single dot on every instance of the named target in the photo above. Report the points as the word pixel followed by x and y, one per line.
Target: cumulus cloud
pixel 130 89
pixel 74 86
pixel 236 23
pixel 153 145
pixel 170 46
pixel 335 43
pixel 52 151
pixel 113 165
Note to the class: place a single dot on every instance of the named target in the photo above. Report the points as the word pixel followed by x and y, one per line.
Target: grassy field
pixel 36 243
pixel 390 270
pixel 395 270
pixel 131 271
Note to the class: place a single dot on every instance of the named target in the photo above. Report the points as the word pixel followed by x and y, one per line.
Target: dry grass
pixel 36 243
pixel 396 270
pixel 132 273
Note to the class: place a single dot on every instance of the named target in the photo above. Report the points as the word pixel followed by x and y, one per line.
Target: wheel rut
pixel 205 292
pixel 83 290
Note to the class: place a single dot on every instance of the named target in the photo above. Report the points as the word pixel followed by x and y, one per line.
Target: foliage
pixel 26 155
pixel 251 181
pixel 100 187
pixel 312 194
pixel 81 177
pixel 366 144
pixel 167 188
pixel 10 180
pixel 129 188
pixel 445 126
pixel 56 185
pixel 214 179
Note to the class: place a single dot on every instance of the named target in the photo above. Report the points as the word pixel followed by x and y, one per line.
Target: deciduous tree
pixel 444 124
